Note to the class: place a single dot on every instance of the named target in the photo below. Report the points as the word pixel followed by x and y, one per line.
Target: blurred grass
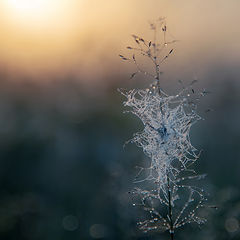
pixel 65 175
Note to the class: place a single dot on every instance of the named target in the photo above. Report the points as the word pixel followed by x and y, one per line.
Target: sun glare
pixel 34 11
pixel 25 6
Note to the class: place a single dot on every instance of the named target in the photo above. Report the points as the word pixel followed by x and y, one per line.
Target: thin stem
pixel 157 70
pixel 170 209
pixel 158 84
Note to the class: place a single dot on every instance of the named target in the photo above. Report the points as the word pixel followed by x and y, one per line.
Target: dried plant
pixel 167 188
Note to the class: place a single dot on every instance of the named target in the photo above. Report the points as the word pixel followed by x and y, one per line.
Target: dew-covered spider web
pixel 165 140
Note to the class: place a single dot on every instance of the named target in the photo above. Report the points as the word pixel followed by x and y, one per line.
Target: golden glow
pixel 27 6
pixel 34 12
pixel 64 35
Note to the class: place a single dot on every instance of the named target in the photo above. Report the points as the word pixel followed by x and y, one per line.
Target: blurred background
pixel 64 173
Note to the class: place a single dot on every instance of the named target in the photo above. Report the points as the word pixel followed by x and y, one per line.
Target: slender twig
pixel 170 208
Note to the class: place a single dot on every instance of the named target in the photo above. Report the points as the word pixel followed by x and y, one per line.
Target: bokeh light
pixel 232 225
pixel 70 223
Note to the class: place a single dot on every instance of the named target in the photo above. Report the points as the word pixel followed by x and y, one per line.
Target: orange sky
pixel 85 36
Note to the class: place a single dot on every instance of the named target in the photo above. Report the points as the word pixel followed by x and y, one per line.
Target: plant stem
pixel 170 209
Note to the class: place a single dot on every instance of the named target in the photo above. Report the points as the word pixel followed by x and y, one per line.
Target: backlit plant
pixel 166 189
